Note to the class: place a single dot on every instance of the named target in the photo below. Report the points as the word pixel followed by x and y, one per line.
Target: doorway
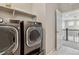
pixel 67 33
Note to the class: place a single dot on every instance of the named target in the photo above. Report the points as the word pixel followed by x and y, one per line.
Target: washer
pixel 9 37
pixel 33 33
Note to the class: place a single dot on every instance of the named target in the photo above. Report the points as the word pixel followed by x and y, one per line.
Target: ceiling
pixel 65 7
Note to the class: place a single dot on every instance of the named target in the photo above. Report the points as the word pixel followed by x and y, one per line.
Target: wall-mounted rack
pixel 18 11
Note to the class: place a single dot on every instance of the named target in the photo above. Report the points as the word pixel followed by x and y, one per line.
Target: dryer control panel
pixel 14 21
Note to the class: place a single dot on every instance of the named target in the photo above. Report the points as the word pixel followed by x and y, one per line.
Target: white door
pixel 58 29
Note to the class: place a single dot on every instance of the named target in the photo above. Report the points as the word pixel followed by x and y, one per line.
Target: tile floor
pixel 66 51
pixel 68 48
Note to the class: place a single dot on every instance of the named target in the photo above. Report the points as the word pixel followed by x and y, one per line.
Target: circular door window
pixel 7 38
pixel 34 35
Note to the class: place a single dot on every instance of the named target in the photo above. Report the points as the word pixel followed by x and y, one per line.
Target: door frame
pixel 56 29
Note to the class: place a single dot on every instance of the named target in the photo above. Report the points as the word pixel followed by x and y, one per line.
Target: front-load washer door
pixel 33 36
pixel 8 39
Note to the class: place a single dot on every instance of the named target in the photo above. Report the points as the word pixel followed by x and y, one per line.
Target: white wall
pixel 50 28
pixel 22 6
pixel 46 15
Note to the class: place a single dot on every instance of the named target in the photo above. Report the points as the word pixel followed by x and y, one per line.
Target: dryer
pixel 33 35
pixel 9 37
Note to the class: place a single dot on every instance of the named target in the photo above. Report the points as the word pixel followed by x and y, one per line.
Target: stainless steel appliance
pixel 33 35
pixel 9 37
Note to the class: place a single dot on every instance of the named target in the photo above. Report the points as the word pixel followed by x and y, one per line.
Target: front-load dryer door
pixel 8 39
pixel 33 36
